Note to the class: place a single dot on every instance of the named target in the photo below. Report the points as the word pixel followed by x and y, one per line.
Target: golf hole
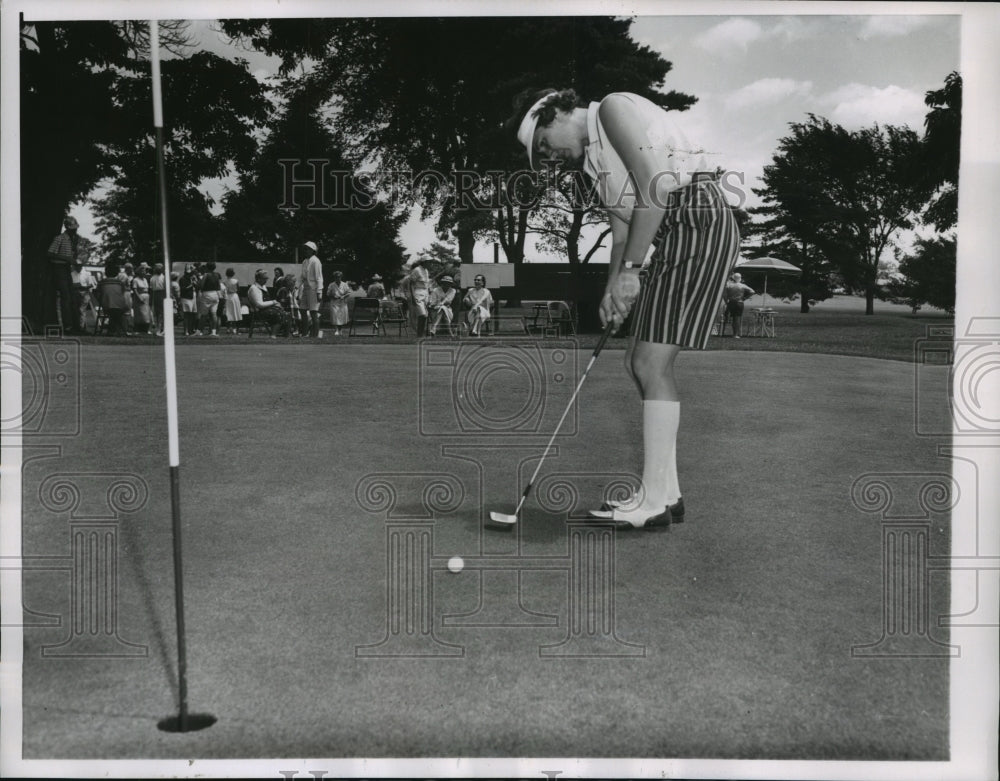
pixel 192 723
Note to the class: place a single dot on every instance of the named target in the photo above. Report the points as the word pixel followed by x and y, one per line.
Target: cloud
pixel 890 26
pixel 729 35
pixel 796 28
pixel 860 105
pixel 765 92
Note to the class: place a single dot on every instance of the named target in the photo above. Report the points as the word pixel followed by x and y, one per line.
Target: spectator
pixel 439 302
pixel 65 249
pixel 208 300
pixel 337 293
pixel 268 311
pixel 187 291
pixel 479 302
pixel 415 284
pixel 234 309
pixel 142 314
pixel 734 295
pixel 376 289
pixel 276 282
pixel 111 295
pixel 285 296
pixel 83 284
pixel 311 289
pixel 157 295
pixel 126 275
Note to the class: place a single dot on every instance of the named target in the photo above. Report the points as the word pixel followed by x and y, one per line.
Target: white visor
pixel 526 132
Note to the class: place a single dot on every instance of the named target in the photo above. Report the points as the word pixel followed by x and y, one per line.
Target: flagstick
pixel 171 382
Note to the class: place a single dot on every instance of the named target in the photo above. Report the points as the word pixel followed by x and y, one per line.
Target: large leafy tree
pixel 941 142
pixel 429 94
pixel 268 215
pixel 844 195
pixel 86 118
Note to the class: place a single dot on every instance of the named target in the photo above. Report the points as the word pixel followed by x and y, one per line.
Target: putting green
pixel 324 491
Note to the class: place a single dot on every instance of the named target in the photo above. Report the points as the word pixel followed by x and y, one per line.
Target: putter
pixel 504 518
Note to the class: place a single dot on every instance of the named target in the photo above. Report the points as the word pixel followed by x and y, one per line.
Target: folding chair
pixel 391 313
pixel 366 313
pixel 560 317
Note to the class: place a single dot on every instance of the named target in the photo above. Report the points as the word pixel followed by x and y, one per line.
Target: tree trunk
pixel 573 238
pixel 466 243
pixel 870 299
pixel 804 304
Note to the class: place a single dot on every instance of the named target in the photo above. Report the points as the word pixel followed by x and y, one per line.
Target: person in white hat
pixel 659 191
pixel 375 288
pixel 310 288
pixel 439 302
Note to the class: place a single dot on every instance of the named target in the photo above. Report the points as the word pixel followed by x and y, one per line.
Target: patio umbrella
pixel 767 266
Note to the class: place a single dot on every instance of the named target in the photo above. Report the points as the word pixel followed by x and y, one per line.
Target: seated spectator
pixel 376 289
pixel 479 302
pixel 268 311
pixel 112 296
pixel 439 301
pixel 284 294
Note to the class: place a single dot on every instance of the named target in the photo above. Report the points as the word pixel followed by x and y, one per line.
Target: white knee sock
pixel 660 420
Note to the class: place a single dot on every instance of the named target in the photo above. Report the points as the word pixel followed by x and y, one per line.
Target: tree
pixel 269 214
pixel 570 206
pixel 86 117
pixel 402 104
pixel 926 275
pixel 845 193
pixel 941 148
pixel 772 236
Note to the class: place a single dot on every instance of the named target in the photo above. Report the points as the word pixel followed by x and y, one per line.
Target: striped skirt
pixel 695 248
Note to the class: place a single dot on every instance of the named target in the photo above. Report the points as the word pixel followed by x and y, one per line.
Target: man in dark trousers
pixel 65 250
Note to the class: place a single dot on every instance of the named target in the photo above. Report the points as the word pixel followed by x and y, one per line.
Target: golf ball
pixel 455 564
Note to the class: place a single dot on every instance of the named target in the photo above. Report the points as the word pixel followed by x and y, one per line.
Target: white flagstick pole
pixel 171 382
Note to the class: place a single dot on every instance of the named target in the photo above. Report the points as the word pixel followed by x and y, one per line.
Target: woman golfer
pixel 658 191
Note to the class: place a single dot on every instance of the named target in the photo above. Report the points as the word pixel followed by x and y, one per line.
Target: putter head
pixel 503 518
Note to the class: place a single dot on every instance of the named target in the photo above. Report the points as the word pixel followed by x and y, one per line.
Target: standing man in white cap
pixel 311 287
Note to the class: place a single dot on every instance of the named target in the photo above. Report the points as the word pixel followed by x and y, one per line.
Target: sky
pixel 752 75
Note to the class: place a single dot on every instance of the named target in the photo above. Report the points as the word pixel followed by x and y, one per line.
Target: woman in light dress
pixel 442 293
pixel 338 292
pixel 234 309
pixel 479 302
